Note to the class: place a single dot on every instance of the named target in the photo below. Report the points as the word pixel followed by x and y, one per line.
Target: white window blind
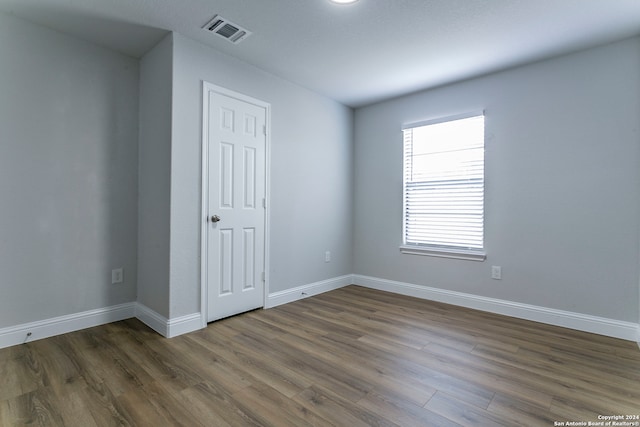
pixel 444 185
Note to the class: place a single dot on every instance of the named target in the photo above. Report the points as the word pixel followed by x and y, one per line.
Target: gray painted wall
pixel 311 174
pixel 68 174
pixel 562 179
pixel 154 176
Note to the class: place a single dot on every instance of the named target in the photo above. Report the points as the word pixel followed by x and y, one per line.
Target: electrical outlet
pixel 496 272
pixel 327 256
pixel 117 275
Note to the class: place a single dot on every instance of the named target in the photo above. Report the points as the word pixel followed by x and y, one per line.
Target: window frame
pixel 435 250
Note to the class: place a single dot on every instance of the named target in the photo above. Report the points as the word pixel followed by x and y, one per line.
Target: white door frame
pixel 204 229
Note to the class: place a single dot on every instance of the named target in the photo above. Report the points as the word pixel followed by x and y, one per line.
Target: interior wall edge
pixel 168 328
pixel 304 291
pixel 32 331
pixel 582 322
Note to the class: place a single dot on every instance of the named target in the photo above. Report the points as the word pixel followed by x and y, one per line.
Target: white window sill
pixel 444 253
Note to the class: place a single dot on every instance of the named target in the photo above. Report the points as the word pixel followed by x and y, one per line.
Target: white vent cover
pixel 226 29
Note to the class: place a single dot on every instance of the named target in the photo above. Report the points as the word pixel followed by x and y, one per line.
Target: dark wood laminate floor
pixel 350 357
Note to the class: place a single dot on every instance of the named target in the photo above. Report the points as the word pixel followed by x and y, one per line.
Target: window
pixel 443 205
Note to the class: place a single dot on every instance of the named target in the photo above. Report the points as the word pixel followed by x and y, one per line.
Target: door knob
pixel 215 218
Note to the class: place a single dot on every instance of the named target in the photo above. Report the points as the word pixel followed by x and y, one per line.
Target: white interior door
pixel 236 134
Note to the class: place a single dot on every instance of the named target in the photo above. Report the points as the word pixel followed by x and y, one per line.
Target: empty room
pixel 319 212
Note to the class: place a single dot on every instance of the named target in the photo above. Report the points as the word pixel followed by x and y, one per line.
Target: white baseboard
pixel 168 328
pixel 61 325
pixel 152 319
pixel 305 291
pixel 582 322
pixel 184 324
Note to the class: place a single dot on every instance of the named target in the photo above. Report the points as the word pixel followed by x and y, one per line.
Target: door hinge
pixel 264 277
pixel 264 129
pixel 264 203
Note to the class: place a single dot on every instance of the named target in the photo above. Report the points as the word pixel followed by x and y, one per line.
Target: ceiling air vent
pixel 227 29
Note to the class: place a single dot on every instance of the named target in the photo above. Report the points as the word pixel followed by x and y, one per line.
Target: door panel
pixel 236 171
pixel 249 260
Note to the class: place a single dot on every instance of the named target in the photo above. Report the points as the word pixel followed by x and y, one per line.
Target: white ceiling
pixel 356 54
